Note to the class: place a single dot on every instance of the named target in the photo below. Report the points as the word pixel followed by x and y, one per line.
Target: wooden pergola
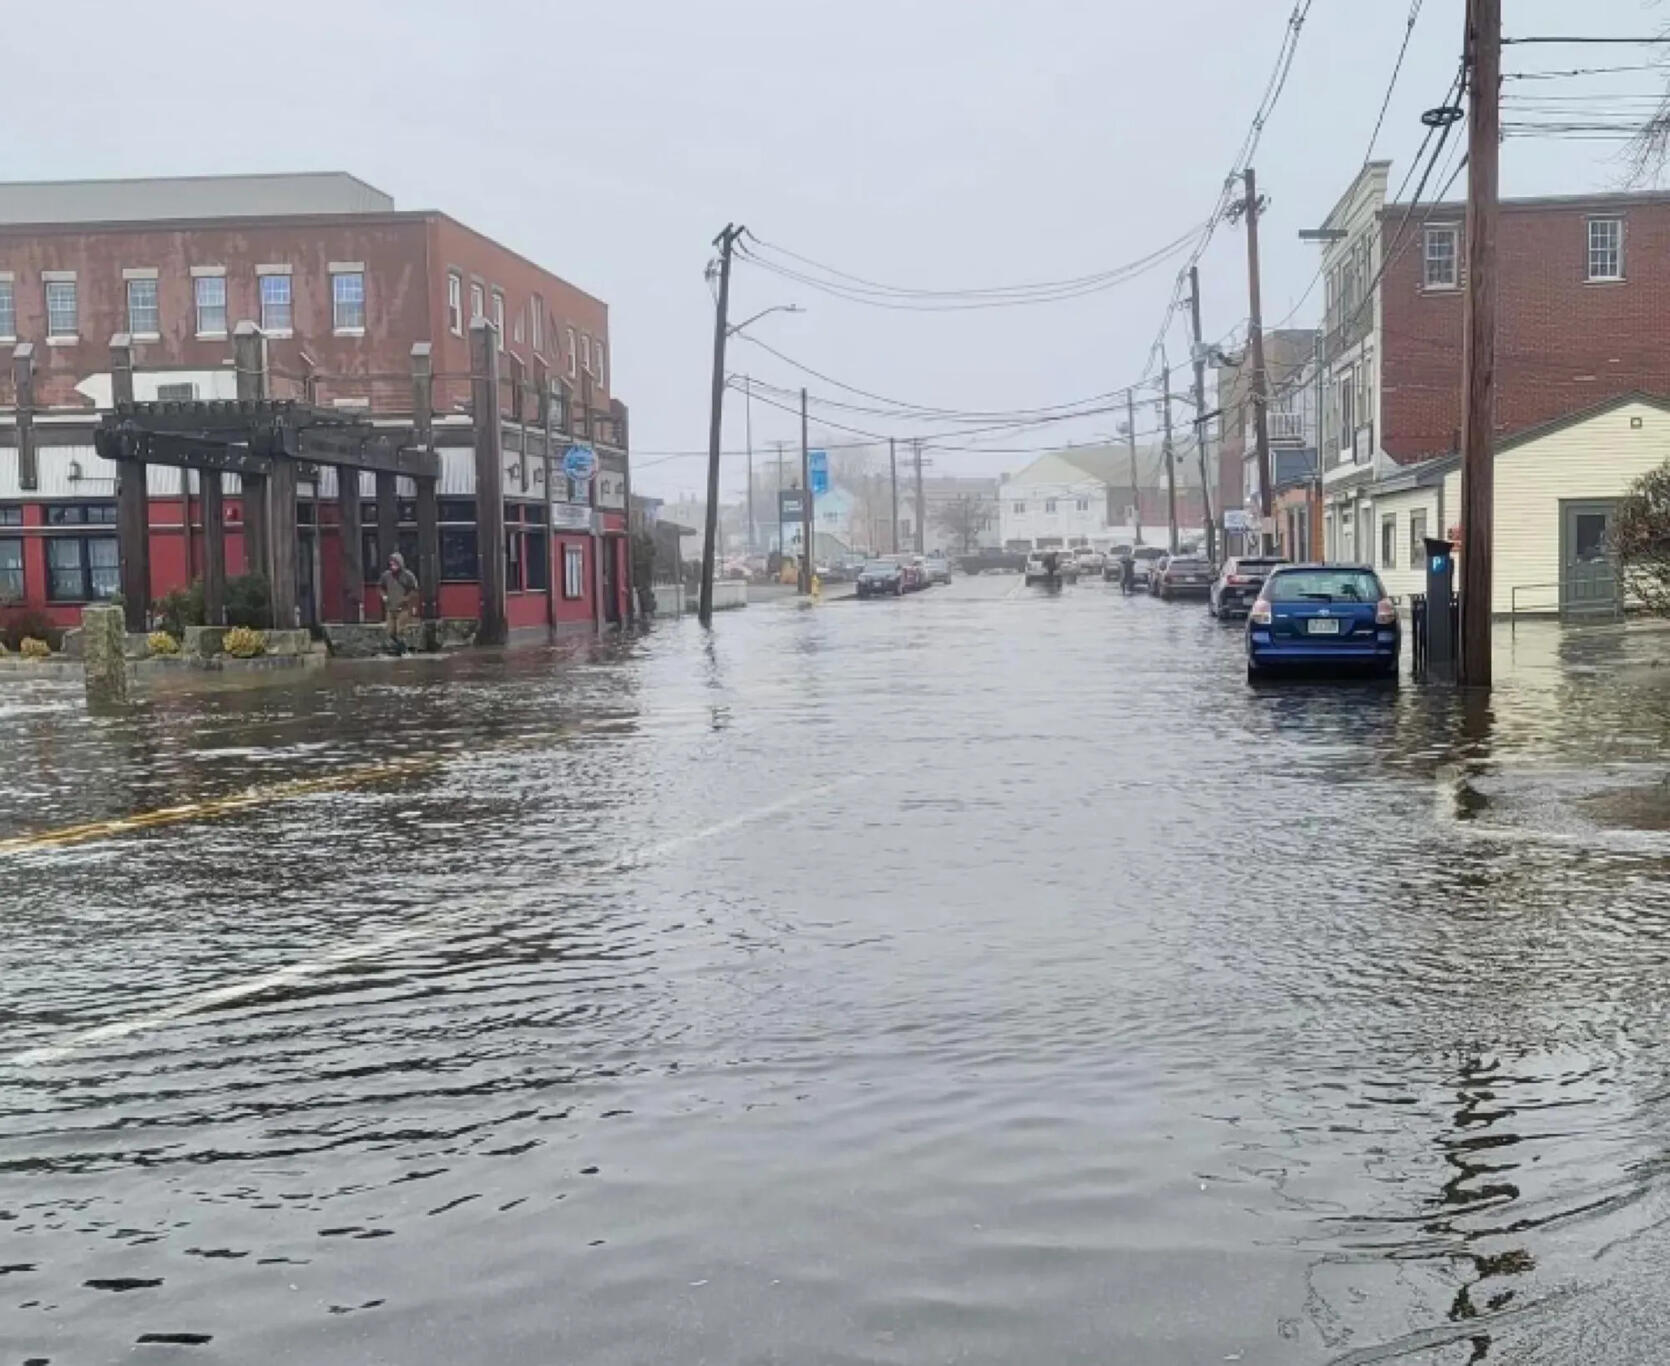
pixel 271 445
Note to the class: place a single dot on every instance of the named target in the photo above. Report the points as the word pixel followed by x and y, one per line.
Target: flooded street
pixel 986 976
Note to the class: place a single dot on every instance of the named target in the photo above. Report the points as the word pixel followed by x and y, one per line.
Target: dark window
pixel 1417 538
pixel 1388 541
pixel 11 569
pixel 81 514
pixel 456 510
pixel 371 566
pixel 538 561
pixel 81 568
pixel 458 553
pixel 406 511
pixel 307 514
pixel 538 514
pixel 1589 535
pixel 11 516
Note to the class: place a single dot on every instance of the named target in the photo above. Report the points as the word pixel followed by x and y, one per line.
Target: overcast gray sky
pixel 930 143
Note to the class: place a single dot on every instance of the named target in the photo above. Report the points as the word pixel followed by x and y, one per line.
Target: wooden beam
pixel 214 548
pixel 250 356
pixel 187 452
pixel 489 482
pixel 388 524
pixel 428 508
pixel 383 452
pixel 353 544
pixel 133 529
pixel 23 386
pixel 281 509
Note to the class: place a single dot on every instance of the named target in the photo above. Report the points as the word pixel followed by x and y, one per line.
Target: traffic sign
pixel 817 463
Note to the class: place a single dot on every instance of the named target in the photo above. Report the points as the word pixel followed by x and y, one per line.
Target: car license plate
pixel 1324 626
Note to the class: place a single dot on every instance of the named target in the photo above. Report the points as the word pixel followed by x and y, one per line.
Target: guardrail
pixel 1563 605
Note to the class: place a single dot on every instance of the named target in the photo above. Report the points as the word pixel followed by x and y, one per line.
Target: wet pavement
pixel 981 977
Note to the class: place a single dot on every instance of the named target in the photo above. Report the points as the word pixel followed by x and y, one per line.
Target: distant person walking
pixel 400 589
pixel 1127 573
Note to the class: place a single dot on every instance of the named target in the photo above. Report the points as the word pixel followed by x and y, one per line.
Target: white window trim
pixel 1454 231
pixel 345 268
pixel 139 273
pixel 128 277
pixel 497 304
pixel 62 341
pixel 57 277
pixel 454 278
pixel 276 333
pixel 275 269
pixel 208 272
pixel 6 278
pixel 1589 249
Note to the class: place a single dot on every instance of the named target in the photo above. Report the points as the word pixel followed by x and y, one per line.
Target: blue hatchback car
pixel 1320 616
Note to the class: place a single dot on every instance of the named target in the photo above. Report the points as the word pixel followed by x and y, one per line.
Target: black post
pixel 806 504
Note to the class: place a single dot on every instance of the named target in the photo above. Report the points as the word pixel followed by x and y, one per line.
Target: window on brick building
pixel 597 361
pixel 573 356
pixel 585 354
pixel 1443 242
pixel 348 300
pixel 455 303
pixel 521 335
pixel 61 314
pixel 277 309
pixel 536 322
pixel 209 294
pixel 142 308
pixel 1606 248
pixel 498 316
pixel 478 303
pixel 8 310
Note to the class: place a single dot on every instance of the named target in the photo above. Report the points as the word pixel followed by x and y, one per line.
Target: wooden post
pixel 428 508
pixel 1170 456
pixel 281 503
pixel 23 385
pixel 249 353
pixel 1478 347
pixel 516 415
pixel 388 522
pixel 353 543
pixel 214 547
pixel 489 482
pixel 1255 347
pixel 133 528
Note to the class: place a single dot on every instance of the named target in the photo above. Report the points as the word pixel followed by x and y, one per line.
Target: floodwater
pixel 983 977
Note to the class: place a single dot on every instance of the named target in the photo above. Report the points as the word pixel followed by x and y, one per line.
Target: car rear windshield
pixel 1187 564
pixel 1323 585
pixel 880 567
pixel 1256 566
pixel 1147 552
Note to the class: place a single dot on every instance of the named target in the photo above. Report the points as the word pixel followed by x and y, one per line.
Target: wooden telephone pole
pixel 893 474
pixel 1131 438
pixel 1170 458
pixel 1199 356
pixel 1478 347
pixel 921 504
pixel 1260 377
pixel 716 418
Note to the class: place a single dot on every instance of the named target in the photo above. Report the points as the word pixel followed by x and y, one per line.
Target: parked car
pixel 1091 560
pixel 1237 584
pixel 938 568
pixel 1323 615
pixel 915 577
pixel 990 560
pixel 1144 559
pixel 881 578
pixel 1051 566
pixel 1184 576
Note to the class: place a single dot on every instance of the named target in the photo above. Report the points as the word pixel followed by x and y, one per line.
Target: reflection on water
pixel 983 976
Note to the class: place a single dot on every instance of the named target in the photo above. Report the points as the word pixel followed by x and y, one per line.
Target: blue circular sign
pixel 579 463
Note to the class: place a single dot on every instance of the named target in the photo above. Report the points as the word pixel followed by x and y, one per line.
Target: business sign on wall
pixel 791 505
pixel 579 463
pixel 570 516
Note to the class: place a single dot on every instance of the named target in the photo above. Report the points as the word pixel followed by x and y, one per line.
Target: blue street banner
pixel 817 463
pixel 579 463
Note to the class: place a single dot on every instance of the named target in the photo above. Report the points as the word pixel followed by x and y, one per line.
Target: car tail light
pixel 1385 613
pixel 1260 614
pixel 1236 579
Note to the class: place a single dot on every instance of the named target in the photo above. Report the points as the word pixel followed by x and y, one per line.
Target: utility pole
pixel 921 506
pixel 716 418
pixel 893 470
pixel 748 422
pixel 780 445
pixel 1200 415
pixel 1260 378
pixel 805 503
pixel 1478 347
pixel 1131 437
pixel 1170 459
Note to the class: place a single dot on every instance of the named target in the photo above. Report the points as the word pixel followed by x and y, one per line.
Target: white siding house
pixel 1408 507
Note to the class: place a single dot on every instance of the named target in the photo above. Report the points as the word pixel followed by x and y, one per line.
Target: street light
pixel 775 308
pixel 748 410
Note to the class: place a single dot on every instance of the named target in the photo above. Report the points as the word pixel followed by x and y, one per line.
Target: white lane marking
pixel 427 928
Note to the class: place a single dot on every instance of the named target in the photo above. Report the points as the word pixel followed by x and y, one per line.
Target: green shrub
pixel 162 643
pixel 18 624
pixel 180 608
pixel 248 603
pixel 244 642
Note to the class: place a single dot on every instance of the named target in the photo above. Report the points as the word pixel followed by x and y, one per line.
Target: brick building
pixel 342 286
pixel 1583 282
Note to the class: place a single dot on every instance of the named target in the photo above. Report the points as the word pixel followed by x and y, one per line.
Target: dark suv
pixel 1237 585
